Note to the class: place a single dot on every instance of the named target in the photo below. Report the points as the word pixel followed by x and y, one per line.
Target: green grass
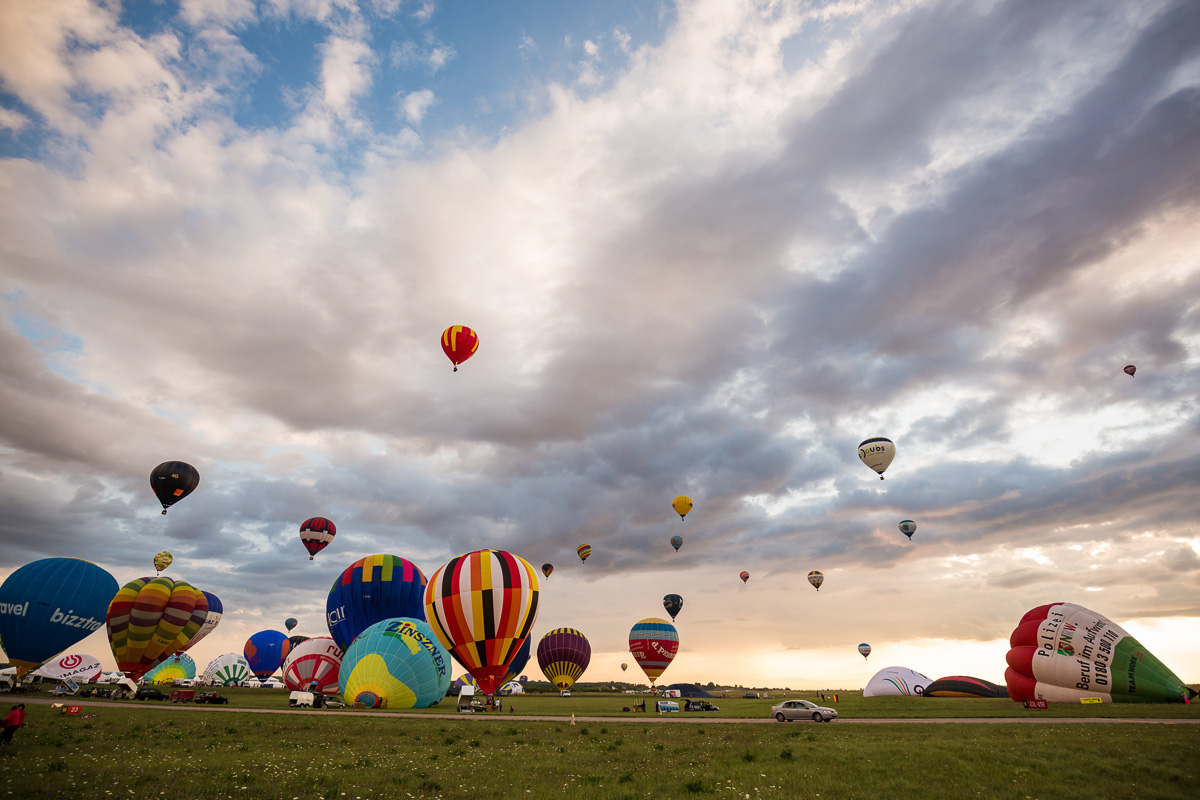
pixel 127 751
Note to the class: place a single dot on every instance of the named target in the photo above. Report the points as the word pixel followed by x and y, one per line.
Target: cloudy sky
pixel 709 246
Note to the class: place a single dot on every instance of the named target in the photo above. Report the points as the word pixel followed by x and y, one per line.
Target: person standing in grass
pixel 14 720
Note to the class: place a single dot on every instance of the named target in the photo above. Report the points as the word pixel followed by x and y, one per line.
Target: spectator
pixel 14 720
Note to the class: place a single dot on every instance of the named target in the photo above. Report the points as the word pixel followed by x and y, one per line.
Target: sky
pixel 708 248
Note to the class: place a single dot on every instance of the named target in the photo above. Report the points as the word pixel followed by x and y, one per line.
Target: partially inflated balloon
pixel 682 505
pixel 229 669
pixel 864 649
pixel 172 481
pixel 583 551
pixel 816 579
pixel 316 534
pixel 77 667
pixel 547 569
pixel 908 527
pixel 877 453
pixel 964 686
pixel 48 605
pixel 896 682
pixel 563 654
pixel 459 343
pixel 481 606
pixel 312 660
pixel 397 663
pixel 653 644
pixel 162 561
pixel 371 590
pixel 1062 652
pixel 673 603
pixel 175 668
pixel 677 542
pixel 745 576
pixel 151 619
pixel 1130 370
pixel 265 652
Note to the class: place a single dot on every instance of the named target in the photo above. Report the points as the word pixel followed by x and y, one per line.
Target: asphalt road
pixel 679 718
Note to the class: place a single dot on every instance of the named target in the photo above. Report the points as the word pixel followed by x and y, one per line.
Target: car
pixel 212 698
pixel 700 705
pixel 150 693
pixel 565 693
pixel 750 696
pixel 790 710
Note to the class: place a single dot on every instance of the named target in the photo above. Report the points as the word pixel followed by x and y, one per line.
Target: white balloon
pixel 877 453
pixel 76 667
pixel 896 682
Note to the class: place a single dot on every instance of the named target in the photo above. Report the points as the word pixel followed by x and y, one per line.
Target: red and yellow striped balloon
pixel 482 606
pixel 459 343
pixel 151 619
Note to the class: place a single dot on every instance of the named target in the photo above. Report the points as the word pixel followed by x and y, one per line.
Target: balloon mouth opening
pixel 369 700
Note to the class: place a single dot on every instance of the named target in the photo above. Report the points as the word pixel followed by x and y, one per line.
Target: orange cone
pixel 572 717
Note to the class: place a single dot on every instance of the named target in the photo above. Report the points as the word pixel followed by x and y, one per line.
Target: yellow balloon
pixel 682 505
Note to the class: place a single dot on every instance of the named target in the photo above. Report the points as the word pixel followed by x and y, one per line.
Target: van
pixel 666 706
pixel 671 693
pixel 300 700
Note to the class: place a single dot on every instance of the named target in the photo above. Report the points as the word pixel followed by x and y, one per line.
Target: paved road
pixel 653 718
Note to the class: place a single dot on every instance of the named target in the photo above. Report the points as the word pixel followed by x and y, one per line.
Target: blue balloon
pixel 518 663
pixel 265 652
pixel 396 663
pixel 371 590
pixel 214 603
pixel 48 605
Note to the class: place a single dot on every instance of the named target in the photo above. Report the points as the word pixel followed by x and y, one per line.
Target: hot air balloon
pixel 864 649
pixel 459 343
pixel 290 623
pixel 682 505
pixel 49 605
pixel 176 668
pixel 151 619
pixel 518 663
pixel 624 666
pixel 1130 369
pixel 316 659
pixel 563 654
pixel 371 590
pixel 172 481
pixel 677 542
pixel 816 579
pixel 396 663
pixel 653 643
pixel 895 682
pixel 1062 652
pixel 229 669
pixel 481 606
pixel 547 569
pixel 296 641
pixel 584 550
pixel 211 619
pixel 78 667
pixel 908 527
pixel 265 652
pixel 162 561
pixel 316 533
pixel 877 453
pixel 964 686
pixel 745 576
pixel 673 603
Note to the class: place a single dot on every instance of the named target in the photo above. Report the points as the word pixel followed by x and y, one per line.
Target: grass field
pixel 126 750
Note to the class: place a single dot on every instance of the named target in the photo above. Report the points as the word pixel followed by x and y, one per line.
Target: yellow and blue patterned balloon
pixel 396 663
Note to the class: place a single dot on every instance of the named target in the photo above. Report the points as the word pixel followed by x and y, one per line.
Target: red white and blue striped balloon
pixel 653 643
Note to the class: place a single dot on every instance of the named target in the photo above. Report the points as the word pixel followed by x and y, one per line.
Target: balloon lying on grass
pixel 396 663
pixel 172 481
pixel 51 604
pixel 1062 652
pixel 896 682
pixel 563 654
pixel 964 686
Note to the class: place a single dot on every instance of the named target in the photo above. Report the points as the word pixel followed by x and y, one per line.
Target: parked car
pixel 150 693
pixel 750 696
pixel 700 705
pixel 213 698
pixel 790 710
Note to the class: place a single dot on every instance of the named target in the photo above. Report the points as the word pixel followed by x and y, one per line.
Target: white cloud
pixel 222 12
pixel 416 104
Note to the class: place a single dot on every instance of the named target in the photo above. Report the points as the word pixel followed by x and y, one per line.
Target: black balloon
pixel 172 481
pixel 673 603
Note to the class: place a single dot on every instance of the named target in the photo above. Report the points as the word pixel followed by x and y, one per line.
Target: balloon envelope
pixel 172 481
pixel 816 579
pixel 317 659
pixel 864 649
pixel 677 542
pixel 315 534
pixel 481 606
pixel 518 662
pixel 48 605
pixel 1130 369
pixel 211 619
pixel 896 682
pixel 176 668
pixel 151 619
pixel 1062 652
pixel 877 453
pixel 459 343
pixel 584 550
pixel 227 670
pixel 964 686
pixel 624 667
pixel 908 527
pixel 563 654
pixel 76 667
pixel 397 663
pixel 510 688
pixel 745 576
pixel 673 603
pixel 547 569
pixel 371 590
pixel 653 644
pixel 682 505
pixel 265 652
pixel 162 561
pixel 290 623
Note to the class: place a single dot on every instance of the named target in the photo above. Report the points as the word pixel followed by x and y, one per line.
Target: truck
pixel 182 695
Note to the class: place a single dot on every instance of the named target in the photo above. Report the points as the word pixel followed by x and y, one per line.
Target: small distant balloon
pixel 316 533
pixel 877 453
pixel 816 579
pixel 1130 369
pixel 172 481
pixel 584 550
pixel 745 576
pixel 290 623
pixel 673 603
pixel 624 667
pixel 682 505
pixel 547 569
pixel 908 527
pixel 162 561
pixel 677 542
pixel 864 649
pixel 459 343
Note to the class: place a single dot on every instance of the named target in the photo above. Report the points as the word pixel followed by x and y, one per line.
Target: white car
pixel 790 710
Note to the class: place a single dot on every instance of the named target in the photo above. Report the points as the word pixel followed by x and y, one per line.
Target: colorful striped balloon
pixel 211 619
pixel 162 561
pixel 653 643
pixel 584 550
pixel 151 619
pixel 371 590
pixel 229 669
pixel 316 533
pixel 481 606
pixel 175 668
pixel 459 343
pixel 317 659
pixel 563 654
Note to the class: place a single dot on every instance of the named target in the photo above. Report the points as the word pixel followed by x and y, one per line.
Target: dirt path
pixel 645 718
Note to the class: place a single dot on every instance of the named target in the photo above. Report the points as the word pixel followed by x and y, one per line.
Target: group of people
pixel 14 720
